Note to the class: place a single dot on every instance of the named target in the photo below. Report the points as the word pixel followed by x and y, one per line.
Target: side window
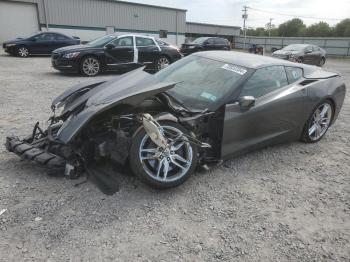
pixel 264 81
pixel 210 41
pixel 123 41
pixel 48 37
pixel 308 49
pixel 141 41
pixel 293 73
pixel 60 37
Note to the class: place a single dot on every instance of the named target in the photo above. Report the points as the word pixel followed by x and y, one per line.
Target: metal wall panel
pixel 199 28
pixel 121 15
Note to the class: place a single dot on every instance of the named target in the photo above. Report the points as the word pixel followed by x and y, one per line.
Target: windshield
pixel 202 83
pixel 101 41
pixel 294 48
pixel 199 40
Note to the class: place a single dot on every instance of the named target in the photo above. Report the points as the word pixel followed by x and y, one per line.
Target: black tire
pixel 305 137
pixel 322 61
pixel 161 63
pixel 300 60
pixel 95 66
pixel 22 51
pixel 139 168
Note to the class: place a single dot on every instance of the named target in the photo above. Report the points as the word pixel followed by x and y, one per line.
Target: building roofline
pixel 205 24
pixel 146 5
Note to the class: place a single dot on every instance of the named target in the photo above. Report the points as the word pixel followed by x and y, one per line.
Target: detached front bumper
pixel 35 149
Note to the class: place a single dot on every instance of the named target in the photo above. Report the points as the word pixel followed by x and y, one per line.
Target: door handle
pixel 131 51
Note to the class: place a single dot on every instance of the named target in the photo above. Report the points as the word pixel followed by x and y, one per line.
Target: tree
pixel 319 29
pixel 342 29
pixel 294 27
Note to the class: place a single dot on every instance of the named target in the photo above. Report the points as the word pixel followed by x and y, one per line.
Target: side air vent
pixel 307 81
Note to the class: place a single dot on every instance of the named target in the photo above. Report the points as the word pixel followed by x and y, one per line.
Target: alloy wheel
pixel 91 66
pixel 170 163
pixel 23 51
pixel 162 63
pixel 320 121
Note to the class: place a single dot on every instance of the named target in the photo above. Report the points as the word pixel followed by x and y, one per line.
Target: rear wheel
pixel 318 123
pixel 161 63
pixel 322 61
pixel 90 66
pixel 300 60
pixel 22 51
pixel 163 167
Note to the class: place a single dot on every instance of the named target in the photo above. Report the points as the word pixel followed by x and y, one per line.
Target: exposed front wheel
pixel 22 51
pixel 318 123
pixel 90 66
pixel 163 167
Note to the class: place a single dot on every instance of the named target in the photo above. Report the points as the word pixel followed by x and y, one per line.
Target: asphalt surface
pixel 284 203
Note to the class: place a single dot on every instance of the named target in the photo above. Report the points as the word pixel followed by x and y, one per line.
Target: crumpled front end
pixel 39 148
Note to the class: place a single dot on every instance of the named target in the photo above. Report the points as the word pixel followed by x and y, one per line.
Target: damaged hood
pixel 128 89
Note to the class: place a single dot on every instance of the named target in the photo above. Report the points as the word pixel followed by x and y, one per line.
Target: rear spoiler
pixel 320 74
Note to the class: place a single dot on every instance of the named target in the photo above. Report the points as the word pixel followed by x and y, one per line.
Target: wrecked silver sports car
pixel 202 109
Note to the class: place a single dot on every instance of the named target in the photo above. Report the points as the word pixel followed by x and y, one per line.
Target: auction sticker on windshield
pixel 208 96
pixel 234 68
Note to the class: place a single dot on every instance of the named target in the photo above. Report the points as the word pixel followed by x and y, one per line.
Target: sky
pixel 229 12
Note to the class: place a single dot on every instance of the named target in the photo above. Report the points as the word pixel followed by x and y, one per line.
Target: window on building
pixel 264 81
pixel 142 41
pixel 163 33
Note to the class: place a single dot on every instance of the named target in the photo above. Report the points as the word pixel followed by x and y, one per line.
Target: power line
pixel 299 16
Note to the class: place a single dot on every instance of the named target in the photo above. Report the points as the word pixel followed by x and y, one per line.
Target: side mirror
pixel 109 46
pixel 246 102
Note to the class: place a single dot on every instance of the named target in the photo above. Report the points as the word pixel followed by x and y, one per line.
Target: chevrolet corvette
pixel 200 110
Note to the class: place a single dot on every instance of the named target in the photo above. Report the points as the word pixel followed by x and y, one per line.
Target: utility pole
pixel 244 16
pixel 270 26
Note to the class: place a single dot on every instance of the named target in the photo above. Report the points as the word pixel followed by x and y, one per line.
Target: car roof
pixel 245 59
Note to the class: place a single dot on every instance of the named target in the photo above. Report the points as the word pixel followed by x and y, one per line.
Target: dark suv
pixel 205 44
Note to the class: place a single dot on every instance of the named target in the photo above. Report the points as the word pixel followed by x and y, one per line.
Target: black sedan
pixel 42 43
pixel 302 53
pixel 205 44
pixel 113 52
pixel 207 107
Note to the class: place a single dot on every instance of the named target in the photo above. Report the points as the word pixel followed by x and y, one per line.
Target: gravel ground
pixel 284 203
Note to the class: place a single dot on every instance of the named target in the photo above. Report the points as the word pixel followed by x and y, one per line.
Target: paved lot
pixel 285 203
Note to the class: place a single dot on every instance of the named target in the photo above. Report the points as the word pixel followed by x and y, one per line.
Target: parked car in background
pixel 42 43
pixel 302 53
pixel 113 52
pixel 256 49
pixel 205 44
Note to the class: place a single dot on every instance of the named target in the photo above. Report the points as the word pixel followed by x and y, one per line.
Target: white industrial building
pixel 89 19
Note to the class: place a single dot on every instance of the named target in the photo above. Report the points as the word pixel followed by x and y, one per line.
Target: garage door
pixel 17 19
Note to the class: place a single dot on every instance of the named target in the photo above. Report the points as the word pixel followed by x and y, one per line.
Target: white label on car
pixel 233 68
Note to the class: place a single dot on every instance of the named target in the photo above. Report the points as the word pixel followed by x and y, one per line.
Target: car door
pixel 61 41
pixel 45 43
pixel 148 51
pixel 219 44
pixel 275 117
pixel 317 55
pixel 310 56
pixel 120 51
pixel 209 44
